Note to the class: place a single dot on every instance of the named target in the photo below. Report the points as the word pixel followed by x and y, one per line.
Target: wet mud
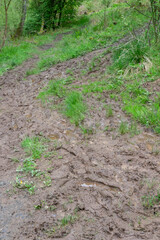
pixel 97 182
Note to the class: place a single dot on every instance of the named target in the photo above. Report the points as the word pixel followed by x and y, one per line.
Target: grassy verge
pixel 93 36
pixel 16 52
pixel 83 40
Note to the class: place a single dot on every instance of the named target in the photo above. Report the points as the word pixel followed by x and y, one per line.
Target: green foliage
pixel 123 128
pixel 148 115
pixel 54 88
pixel 14 15
pixel 29 166
pixel 74 107
pixel 34 146
pixel 12 55
pixel 29 185
pixel 128 128
pixel 49 14
pixel 129 54
pixel 109 111
pixel 68 220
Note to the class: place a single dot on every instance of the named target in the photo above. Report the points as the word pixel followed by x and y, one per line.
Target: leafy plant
pixel 24 185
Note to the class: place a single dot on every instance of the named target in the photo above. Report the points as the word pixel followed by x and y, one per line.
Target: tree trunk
pixel 60 13
pixel 6 6
pixel 19 30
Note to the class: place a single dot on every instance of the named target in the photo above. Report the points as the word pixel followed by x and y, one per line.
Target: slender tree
pixel 6 7
pixel 19 30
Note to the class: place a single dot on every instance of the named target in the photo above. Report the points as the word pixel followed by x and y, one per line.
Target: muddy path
pixel 98 180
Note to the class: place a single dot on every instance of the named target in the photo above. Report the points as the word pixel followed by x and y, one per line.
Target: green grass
pixel 68 220
pixel 14 55
pixel 81 41
pixel 34 146
pixel 129 54
pixel 54 88
pixel 29 166
pixel 26 185
pixel 123 128
pixel 109 111
pixel 94 36
pixel 74 107
pixel 18 51
pixel 72 103
pixel 131 128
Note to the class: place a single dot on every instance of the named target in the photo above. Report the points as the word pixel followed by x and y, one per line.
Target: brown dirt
pixel 99 179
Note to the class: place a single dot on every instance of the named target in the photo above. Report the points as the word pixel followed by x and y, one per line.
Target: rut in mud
pixel 98 180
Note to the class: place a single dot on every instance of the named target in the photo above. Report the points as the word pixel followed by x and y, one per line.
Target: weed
pixel 29 166
pixel 38 207
pixel 74 107
pixel 109 111
pixel 133 130
pixel 68 219
pixel 123 128
pixel 54 88
pixel 34 146
pixel 70 71
pixel 94 63
pixel 114 96
pixel 87 130
pixel 106 128
pixel 47 182
pixel 128 128
pixel 24 185
pixel 148 201
pixel 70 200
pixel 31 72
pixel 150 183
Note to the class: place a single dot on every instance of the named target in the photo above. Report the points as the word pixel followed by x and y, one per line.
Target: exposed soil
pixel 98 179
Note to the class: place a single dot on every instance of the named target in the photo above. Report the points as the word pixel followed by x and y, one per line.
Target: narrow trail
pixel 102 176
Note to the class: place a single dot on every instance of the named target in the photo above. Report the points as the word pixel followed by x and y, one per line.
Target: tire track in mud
pixel 99 180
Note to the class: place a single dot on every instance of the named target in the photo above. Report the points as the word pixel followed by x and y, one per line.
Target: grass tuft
pixel 34 146
pixel 74 107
